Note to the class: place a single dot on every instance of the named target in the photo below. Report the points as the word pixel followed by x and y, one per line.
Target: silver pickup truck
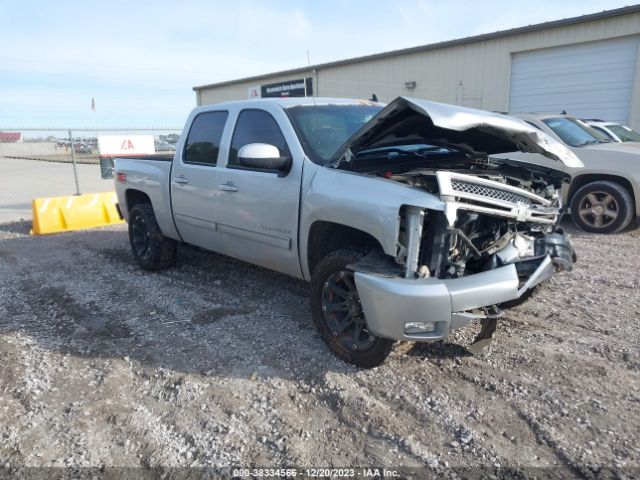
pixel 399 216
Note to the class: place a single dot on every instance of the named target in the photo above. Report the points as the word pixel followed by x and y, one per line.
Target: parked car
pixel 81 147
pixel 614 131
pixel 163 146
pixel 604 196
pixel 402 224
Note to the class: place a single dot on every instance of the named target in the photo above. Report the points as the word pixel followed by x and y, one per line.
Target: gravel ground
pixel 216 363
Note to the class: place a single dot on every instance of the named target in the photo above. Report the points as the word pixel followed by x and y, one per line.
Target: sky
pixel 139 60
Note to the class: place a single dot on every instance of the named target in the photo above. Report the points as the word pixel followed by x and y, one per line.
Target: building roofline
pixel 436 46
pixel 286 102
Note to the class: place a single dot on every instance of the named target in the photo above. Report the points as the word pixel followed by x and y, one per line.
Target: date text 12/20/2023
pixel 314 473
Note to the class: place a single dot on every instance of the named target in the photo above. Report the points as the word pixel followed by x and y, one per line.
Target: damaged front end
pixel 494 240
pixel 491 245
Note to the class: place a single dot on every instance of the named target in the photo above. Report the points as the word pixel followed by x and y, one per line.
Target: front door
pixel 257 214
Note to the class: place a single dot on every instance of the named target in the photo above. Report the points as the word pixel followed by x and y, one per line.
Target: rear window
pixel 203 141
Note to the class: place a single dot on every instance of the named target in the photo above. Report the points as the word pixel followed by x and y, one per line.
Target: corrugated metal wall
pixel 590 79
pixel 475 74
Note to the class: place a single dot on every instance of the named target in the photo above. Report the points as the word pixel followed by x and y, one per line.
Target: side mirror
pixel 263 156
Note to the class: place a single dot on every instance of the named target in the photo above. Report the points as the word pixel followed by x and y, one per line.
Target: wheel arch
pixel 135 197
pixel 580 181
pixel 325 237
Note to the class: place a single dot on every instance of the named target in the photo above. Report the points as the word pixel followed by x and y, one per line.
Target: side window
pixel 203 141
pixel 256 126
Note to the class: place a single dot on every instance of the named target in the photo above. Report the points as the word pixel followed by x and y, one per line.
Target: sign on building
pixel 253 92
pixel 302 87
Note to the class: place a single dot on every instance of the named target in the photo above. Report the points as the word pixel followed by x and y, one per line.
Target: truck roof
pixel 287 102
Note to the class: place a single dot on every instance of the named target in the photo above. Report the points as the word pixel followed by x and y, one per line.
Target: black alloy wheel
pixel 343 313
pixel 338 313
pixel 150 248
pixel 140 237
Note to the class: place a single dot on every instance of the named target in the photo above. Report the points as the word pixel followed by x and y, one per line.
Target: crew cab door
pixel 257 212
pixel 195 179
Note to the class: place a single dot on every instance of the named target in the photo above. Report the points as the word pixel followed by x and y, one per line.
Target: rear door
pixel 195 179
pixel 257 215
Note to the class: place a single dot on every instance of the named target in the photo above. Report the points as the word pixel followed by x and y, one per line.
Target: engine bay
pixel 497 211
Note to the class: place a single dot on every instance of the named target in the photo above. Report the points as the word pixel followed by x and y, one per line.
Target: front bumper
pixel 390 303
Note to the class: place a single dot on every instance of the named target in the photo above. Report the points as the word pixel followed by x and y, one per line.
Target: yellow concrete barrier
pixel 77 212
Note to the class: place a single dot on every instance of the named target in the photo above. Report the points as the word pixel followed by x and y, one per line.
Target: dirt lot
pixel 216 363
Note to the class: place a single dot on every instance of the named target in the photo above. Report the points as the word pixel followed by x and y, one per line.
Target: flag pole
pixel 95 117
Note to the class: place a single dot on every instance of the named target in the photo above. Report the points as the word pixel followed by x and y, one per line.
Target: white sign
pixel 254 92
pixel 113 145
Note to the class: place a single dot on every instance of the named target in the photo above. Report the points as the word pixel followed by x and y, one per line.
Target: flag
pixel 93 104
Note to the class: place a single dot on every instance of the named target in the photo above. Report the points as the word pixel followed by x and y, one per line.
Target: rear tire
pixel 602 207
pixel 338 315
pixel 150 248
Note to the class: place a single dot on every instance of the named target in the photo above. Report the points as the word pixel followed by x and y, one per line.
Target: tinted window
pixel 256 126
pixel 203 142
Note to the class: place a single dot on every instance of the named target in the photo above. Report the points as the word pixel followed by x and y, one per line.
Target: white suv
pixel 604 195
pixel 614 131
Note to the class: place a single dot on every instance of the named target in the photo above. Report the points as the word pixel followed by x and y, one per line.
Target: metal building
pixel 587 65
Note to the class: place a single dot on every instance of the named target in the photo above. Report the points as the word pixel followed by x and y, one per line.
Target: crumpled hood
pixel 408 121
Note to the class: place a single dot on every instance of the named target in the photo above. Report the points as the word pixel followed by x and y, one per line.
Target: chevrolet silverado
pixel 399 216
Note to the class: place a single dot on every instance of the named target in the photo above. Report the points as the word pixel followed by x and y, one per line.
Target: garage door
pixel 588 80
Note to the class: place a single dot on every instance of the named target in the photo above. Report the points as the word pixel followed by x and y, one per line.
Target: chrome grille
pixel 483 191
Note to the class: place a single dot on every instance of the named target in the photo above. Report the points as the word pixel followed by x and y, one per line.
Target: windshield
pixel 624 133
pixel 574 133
pixel 323 129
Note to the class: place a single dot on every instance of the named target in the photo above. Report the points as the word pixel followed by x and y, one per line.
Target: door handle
pixel 228 187
pixel 181 180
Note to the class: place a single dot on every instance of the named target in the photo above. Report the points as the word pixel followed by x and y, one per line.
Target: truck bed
pixel 107 162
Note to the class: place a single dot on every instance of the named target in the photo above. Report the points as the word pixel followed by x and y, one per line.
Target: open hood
pixel 410 121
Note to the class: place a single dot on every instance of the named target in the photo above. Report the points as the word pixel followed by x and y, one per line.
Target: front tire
pixel 602 207
pixel 338 314
pixel 150 248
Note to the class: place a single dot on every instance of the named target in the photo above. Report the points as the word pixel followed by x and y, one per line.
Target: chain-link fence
pixel 42 162
pixel 61 145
